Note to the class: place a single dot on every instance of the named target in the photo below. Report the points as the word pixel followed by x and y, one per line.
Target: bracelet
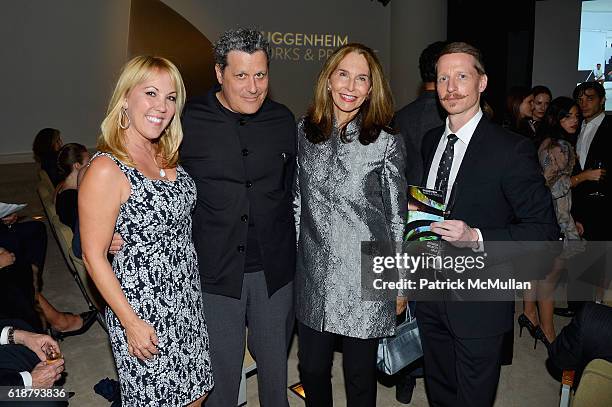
pixel 11 336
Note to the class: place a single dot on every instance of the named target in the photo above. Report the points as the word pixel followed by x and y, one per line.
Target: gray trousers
pixel 270 327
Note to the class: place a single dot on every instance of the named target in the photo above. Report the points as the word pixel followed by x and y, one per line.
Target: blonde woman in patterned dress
pixel 135 187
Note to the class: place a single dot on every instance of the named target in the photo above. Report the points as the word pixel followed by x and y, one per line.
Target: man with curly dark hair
pixel 239 147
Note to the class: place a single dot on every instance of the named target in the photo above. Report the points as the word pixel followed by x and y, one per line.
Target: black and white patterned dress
pixel 158 271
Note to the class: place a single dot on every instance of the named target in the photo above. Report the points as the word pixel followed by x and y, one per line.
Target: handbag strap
pixel 409 316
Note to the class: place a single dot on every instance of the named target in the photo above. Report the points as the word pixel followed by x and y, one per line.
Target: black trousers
pixel 315 353
pixel 18 358
pixel 17 295
pixel 27 240
pixel 459 372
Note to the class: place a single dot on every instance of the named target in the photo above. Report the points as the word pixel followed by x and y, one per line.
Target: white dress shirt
pixel 4 335
pixel 464 135
pixel 26 376
pixel 585 138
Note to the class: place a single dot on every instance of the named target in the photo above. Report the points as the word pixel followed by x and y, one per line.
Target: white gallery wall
pixel 60 58
pixel 414 25
pixel 398 32
pixel 555 51
pixel 59 61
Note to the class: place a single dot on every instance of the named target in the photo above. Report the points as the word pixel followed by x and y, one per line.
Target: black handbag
pixel 397 352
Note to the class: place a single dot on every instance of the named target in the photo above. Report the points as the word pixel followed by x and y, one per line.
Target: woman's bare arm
pixel 101 194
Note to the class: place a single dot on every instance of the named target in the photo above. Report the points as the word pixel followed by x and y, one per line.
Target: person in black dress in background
pixel 71 158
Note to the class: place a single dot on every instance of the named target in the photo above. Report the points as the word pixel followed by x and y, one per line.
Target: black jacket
pixel 15 358
pixel 594 212
pixel 588 336
pixel 500 190
pixel 242 166
pixel 414 121
pixel 17 296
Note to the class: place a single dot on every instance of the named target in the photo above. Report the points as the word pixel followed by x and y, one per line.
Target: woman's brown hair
pixel 375 113
pixel 68 155
pixel 45 143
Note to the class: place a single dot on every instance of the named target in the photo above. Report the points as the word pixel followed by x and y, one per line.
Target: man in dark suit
pixel 17 294
pixel 594 151
pixel 592 192
pixel 23 354
pixel 22 346
pixel 498 194
pixel 23 360
pixel 239 147
pixel 425 113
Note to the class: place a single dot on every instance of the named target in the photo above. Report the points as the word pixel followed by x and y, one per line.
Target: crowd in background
pixel 562 146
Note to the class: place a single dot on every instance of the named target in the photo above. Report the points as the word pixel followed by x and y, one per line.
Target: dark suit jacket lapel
pixel 432 152
pixel 468 169
pixel 598 147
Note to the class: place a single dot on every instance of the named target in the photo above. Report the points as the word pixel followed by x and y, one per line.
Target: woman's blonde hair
pixel 136 71
pixel 376 111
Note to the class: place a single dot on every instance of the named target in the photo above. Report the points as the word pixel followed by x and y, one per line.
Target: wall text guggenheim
pixel 306 40
pixel 291 46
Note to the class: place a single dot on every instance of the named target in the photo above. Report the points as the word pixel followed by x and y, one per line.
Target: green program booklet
pixel 424 207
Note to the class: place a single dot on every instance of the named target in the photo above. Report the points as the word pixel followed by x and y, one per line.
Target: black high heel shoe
pixel 539 335
pixel 525 322
pixel 88 318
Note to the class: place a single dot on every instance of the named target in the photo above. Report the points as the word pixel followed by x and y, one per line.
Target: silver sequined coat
pixel 345 193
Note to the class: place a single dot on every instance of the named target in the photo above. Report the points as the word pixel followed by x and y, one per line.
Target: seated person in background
pixel 76 231
pixel 17 293
pixel 24 354
pixel 71 158
pixel 23 349
pixel 20 300
pixel 46 144
pixel 27 240
pixel 587 337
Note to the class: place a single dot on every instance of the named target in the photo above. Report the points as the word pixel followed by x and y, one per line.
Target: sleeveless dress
pixel 158 271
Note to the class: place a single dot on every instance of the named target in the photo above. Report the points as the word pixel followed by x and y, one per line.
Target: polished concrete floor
pixel 89 360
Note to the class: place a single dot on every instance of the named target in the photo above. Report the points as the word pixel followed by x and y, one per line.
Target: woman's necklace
pixel 162 173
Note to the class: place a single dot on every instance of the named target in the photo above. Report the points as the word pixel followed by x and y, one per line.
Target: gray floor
pixel 89 360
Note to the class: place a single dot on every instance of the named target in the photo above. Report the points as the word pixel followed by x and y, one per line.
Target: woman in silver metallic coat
pixel 350 187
